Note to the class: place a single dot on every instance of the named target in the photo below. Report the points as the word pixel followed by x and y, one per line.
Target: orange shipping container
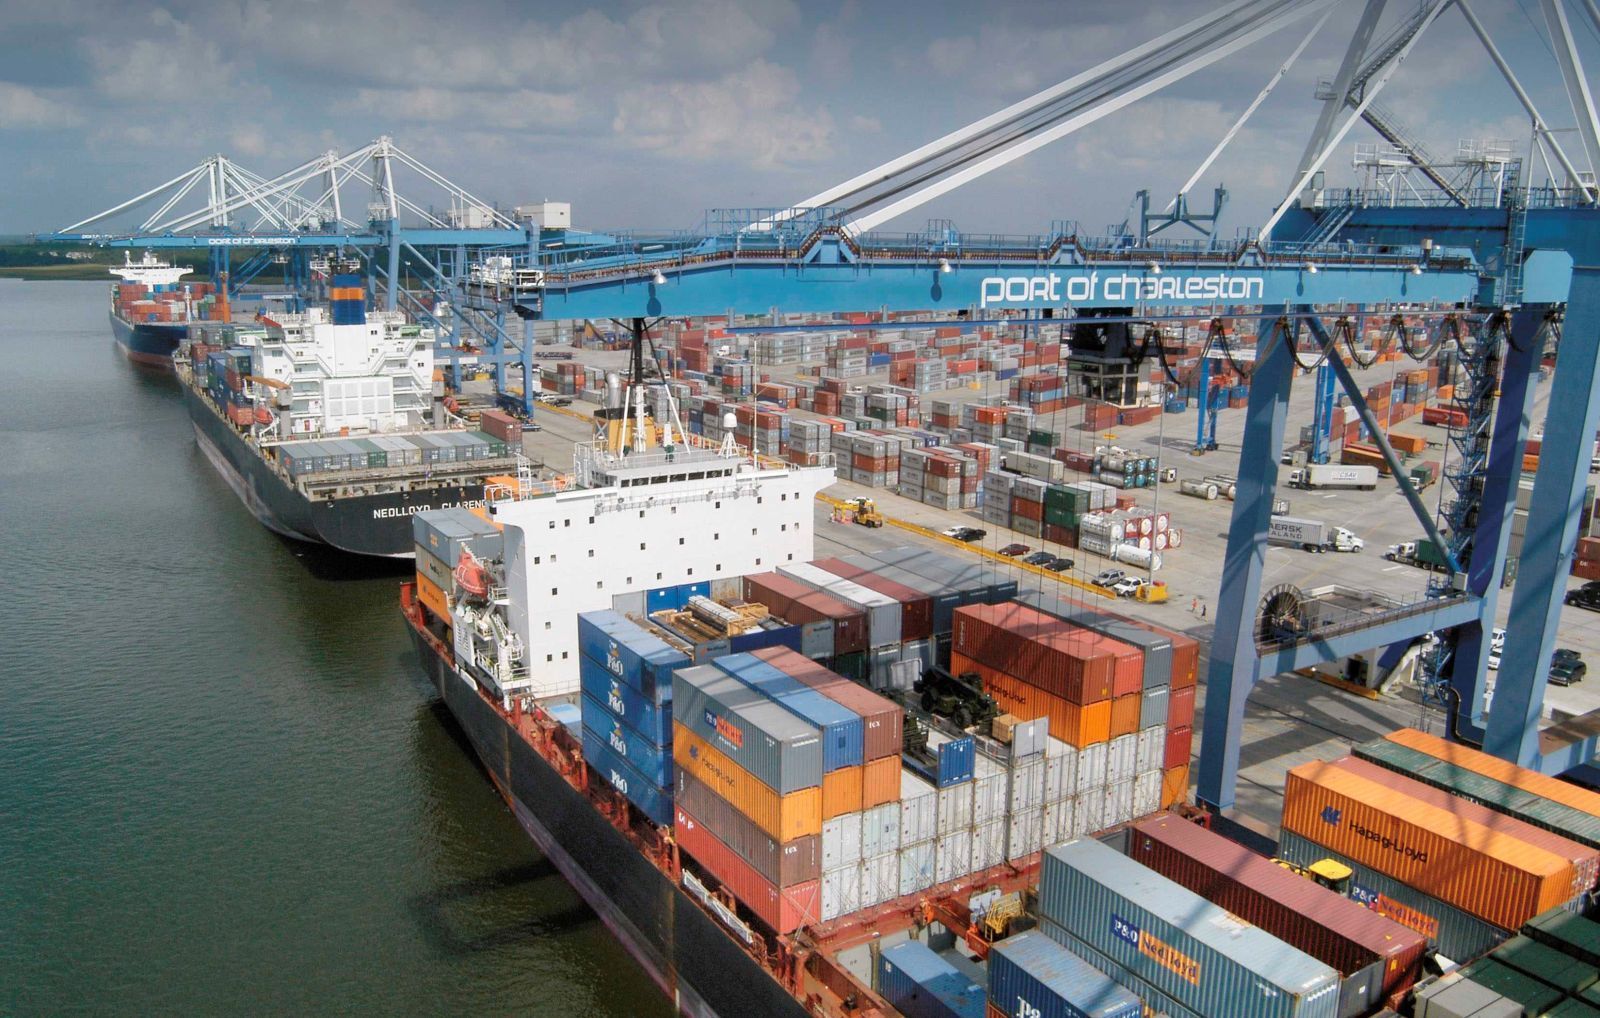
pixel 1125 715
pixel 1408 443
pixel 429 594
pixel 1480 762
pixel 1174 785
pixel 880 781
pixel 841 792
pixel 785 817
pixel 1476 868
pixel 1069 722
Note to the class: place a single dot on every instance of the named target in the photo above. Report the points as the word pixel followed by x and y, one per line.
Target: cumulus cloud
pixel 164 61
pixel 752 116
pixel 494 110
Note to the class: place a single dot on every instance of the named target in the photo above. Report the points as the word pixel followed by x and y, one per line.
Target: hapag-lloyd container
pixel 841 727
pixel 1064 661
pixel 1478 868
pixel 916 608
pixel 649 758
pixel 643 661
pixel 1585 860
pixel 785 909
pixel 883 613
pixel 795 602
pixel 785 817
pixel 1453 933
pixel 882 719
pixel 781 863
pixel 1155 648
pixel 1516 800
pixel 1071 723
pixel 624 702
pixel 1374 955
pixel 1180 943
pixel 763 737
pixel 1031 976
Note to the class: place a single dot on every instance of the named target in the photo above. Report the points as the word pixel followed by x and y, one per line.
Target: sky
pixel 645 114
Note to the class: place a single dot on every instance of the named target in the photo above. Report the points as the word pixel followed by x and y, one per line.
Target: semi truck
pixel 1312 535
pixel 1334 475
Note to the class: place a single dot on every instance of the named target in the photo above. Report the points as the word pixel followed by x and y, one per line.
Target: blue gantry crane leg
pixel 1552 533
pixel 1322 415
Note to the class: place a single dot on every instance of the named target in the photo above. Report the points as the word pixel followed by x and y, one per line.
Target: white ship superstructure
pixel 374 376
pixel 149 270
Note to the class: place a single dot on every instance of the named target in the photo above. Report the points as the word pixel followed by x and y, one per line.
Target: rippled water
pixel 224 785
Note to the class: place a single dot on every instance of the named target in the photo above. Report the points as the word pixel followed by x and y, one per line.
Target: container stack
pixel 953 781
pixel 809 442
pixel 441 537
pixel 625 674
pixel 1375 957
pixel 1178 952
pixel 1460 873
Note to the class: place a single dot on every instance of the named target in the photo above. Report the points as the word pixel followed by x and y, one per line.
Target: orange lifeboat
pixel 471 577
pixel 263 416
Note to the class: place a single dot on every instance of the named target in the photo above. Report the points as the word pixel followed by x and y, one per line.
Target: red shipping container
pixel 1180 707
pixel 501 425
pixel 883 720
pixel 1064 660
pixel 1341 933
pixel 916 608
pixel 1179 747
pixel 783 909
pixel 797 603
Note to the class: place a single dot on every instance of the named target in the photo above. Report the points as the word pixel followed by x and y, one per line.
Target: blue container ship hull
pixel 149 343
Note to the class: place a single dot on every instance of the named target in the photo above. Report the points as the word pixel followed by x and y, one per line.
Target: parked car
pixel 1039 558
pixel 1013 550
pixel 1580 598
pixel 1057 564
pixel 1567 671
pixel 967 534
pixel 1128 586
pixel 1497 639
pixel 1108 577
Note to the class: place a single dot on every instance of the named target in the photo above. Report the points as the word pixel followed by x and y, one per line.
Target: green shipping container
pixel 1568 933
pixel 1535 997
pixel 1429 553
pixel 1546 964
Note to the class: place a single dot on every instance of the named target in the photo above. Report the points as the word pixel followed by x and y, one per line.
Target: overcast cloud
pixel 645 114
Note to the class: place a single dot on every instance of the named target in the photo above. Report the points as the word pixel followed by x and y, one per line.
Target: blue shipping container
pixel 568 715
pixel 1032 976
pixel 920 984
pixel 761 639
pixel 643 661
pixel 956 759
pixel 843 731
pixel 653 802
pixel 649 758
pixel 662 599
pixel 625 702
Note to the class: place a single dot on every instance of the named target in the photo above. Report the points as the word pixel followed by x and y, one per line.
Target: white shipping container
pixel 955 808
pixel 1152 749
pixel 1027 784
pixel 841 841
pixel 916 867
pixel 1091 769
pixel 1147 793
pixel 988 845
pixel 880 830
pixel 1060 821
pixel 988 792
pixel 1091 813
pixel 841 891
pixel 1025 832
pixel 1061 775
pixel 952 854
pixel 919 809
pixel 1119 803
pixel 880 879
pixel 1121 755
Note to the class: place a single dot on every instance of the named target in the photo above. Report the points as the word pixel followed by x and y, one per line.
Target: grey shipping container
pixel 1177 941
pixel 779 749
pixel 783 864
pixel 1454 934
pixel 1153 706
pixel 1155 1002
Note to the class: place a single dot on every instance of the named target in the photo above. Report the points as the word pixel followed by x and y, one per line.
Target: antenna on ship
pixel 627 423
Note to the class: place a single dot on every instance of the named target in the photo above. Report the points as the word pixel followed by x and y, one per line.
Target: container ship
pixel 324 424
pixel 152 311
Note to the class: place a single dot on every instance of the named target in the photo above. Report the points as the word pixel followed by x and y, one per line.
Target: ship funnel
pixel 348 300
pixel 613 391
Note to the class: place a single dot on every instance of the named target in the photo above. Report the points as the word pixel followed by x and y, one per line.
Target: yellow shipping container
pixel 429 594
pixel 784 817
pixel 1482 871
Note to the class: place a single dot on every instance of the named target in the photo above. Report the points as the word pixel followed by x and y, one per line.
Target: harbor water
pixel 224 785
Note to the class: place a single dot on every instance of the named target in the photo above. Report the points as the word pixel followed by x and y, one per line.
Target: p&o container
pixel 1032 976
pixel 759 734
pixel 920 984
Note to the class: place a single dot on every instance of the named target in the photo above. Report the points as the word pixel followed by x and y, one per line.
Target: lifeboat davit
pixel 471 576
